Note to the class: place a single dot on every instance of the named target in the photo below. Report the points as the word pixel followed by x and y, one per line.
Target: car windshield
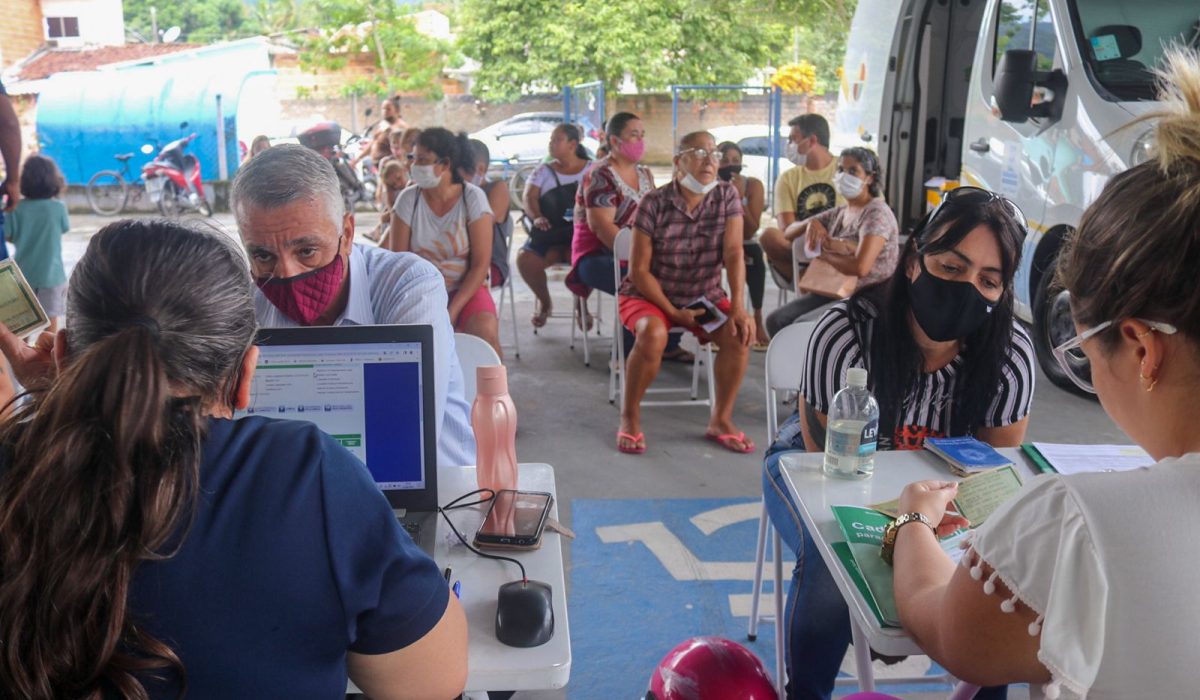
pixel 1123 40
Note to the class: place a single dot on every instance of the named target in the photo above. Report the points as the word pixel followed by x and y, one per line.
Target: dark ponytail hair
pixel 574 133
pixel 880 313
pixel 102 465
pixel 453 150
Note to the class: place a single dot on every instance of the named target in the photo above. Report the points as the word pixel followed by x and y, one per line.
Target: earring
pixel 1153 379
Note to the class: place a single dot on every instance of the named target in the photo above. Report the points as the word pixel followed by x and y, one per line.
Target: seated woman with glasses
pixel 945 358
pixel 1086 582
pixel 684 233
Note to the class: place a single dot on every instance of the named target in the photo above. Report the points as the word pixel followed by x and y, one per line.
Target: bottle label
pixel 868 439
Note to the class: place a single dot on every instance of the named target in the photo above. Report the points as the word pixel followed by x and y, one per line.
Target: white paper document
pixel 1078 459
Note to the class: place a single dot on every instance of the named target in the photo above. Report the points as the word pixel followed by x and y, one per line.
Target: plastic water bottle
pixel 494 419
pixel 853 429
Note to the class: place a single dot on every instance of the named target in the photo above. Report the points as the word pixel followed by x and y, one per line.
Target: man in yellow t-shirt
pixel 802 191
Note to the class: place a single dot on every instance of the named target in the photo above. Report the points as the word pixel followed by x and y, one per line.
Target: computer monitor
pixel 371 388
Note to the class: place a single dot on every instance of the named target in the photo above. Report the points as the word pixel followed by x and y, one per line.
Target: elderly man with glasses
pixel 684 233
pixel 299 238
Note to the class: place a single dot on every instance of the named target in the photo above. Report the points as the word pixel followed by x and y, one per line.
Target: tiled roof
pixel 47 62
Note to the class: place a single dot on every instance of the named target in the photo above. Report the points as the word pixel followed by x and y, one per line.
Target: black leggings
pixel 756 273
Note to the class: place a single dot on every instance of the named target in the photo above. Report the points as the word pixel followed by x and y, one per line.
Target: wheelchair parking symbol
pixel 683 565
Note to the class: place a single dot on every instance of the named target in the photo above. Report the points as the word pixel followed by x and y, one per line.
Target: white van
pixel 921 86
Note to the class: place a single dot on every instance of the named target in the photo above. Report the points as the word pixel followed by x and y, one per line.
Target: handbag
pixel 824 279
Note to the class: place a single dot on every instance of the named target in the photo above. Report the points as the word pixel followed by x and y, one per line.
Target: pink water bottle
pixel 494 419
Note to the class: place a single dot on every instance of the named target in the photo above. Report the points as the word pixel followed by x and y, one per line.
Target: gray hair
pixel 690 139
pixel 285 174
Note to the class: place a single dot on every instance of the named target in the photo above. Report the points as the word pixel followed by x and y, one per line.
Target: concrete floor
pixel 566 420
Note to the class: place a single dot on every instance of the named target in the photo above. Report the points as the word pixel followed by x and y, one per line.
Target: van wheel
pixel 1052 326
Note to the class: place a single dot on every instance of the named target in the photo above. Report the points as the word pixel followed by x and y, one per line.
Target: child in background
pixel 392 179
pixel 36 227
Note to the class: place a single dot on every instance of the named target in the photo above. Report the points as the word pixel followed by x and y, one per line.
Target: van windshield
pixel 1123 40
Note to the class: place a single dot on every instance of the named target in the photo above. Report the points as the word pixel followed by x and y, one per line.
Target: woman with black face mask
pixel 753 195
pixel 945 358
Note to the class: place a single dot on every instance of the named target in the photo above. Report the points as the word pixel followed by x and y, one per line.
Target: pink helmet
pixel 710 668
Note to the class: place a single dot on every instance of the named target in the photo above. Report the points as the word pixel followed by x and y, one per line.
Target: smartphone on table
pixel 514 520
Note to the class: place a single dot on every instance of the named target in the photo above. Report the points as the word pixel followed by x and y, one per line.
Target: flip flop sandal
pixel 635 450
pixel 726 441
pixel 539 318
pixel 679 355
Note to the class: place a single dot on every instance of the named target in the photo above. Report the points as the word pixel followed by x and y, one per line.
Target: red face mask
pixel 305 297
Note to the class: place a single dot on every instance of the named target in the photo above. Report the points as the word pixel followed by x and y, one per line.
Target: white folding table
pixel 815 494
pixel 490 664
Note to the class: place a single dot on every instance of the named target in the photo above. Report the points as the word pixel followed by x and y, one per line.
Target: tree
pixel 281 16
pixel 525 45
pixel 408 61
pixel 200 21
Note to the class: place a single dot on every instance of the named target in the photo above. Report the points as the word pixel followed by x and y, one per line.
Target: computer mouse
pixel 525 614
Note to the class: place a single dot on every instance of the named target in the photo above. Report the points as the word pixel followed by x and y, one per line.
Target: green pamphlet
pixel 863 529
pixel 859 554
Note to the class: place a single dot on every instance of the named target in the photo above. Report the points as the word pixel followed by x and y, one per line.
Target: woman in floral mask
pixel 606 204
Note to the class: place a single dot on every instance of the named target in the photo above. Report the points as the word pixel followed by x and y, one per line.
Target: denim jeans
pixel 818 622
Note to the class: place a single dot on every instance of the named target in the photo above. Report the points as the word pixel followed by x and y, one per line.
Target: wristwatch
pixel 893 528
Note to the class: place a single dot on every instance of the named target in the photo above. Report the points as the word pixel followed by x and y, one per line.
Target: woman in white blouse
pixel 1084 585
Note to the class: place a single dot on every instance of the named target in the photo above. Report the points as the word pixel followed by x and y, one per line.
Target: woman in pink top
pixel 607 203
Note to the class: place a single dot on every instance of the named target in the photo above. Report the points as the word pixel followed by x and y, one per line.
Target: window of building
pixel 62 27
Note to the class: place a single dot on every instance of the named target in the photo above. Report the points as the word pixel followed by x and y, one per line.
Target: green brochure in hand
pixel 859 554
pixel 863 529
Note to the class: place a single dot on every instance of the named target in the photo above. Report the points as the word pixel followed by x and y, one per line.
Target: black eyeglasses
pixel 977 196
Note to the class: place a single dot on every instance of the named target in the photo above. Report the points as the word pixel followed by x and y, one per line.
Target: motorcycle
pixel 173 179
pixel 325 138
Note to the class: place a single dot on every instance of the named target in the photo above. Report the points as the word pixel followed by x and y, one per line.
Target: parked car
pixel 525 137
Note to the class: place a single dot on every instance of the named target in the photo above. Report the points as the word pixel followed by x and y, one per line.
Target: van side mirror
pixel 1022 91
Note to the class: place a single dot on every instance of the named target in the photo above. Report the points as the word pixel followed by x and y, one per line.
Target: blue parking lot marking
pixel 649 574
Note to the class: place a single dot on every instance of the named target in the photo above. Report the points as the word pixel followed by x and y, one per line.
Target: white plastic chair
pixel 579 312
pixel 473 352
pixel 622 246
pixel 781 283
pixel 784 365
pixel 506 290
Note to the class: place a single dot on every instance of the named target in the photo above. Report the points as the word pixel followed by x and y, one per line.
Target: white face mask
pixel 848 185
pixel 695 185
pixel 424 176
pixel 794 155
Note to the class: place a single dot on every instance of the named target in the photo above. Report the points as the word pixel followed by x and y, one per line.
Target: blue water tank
pixel 85 118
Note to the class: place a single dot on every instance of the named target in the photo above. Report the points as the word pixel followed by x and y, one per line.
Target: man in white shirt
pixel 309 272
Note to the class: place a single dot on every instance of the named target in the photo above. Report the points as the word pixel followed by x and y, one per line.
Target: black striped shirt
pixel 835 348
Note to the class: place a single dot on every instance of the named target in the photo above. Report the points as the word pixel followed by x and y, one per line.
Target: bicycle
pixel 108 190
pixel 515 172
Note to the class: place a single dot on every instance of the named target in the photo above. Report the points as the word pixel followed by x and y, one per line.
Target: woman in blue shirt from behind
pixel 151 545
